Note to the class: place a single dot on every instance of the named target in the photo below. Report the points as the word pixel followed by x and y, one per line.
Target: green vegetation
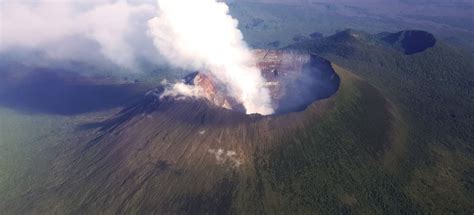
pixel 433 89
pixel 26 148
pixel 29 145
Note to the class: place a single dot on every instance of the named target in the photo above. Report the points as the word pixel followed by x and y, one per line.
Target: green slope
pixel 434 90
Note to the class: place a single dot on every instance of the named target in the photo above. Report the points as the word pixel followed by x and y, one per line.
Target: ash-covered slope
pixel 190 156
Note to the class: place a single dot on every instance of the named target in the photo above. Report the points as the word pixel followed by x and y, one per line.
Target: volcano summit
pixel 294 81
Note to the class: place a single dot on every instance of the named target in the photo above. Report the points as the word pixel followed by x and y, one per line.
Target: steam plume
pixel 201 35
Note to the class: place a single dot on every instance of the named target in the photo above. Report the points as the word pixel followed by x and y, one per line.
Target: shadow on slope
pixel 410 42
pixel 62 92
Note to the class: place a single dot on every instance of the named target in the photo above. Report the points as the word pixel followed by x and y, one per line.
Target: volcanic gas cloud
pixel 200 35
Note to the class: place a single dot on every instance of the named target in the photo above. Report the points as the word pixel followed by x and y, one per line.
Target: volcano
pixel 205 155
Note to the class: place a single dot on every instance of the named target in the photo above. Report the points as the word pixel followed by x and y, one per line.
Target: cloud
pixel 44 24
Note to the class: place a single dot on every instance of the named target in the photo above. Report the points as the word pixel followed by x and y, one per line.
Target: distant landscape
pixel 267 21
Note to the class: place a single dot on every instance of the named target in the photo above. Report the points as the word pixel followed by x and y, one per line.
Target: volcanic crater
pixel 294 81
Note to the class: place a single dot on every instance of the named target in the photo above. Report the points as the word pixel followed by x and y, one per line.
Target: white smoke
pixel 181 89
pixel 201 35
